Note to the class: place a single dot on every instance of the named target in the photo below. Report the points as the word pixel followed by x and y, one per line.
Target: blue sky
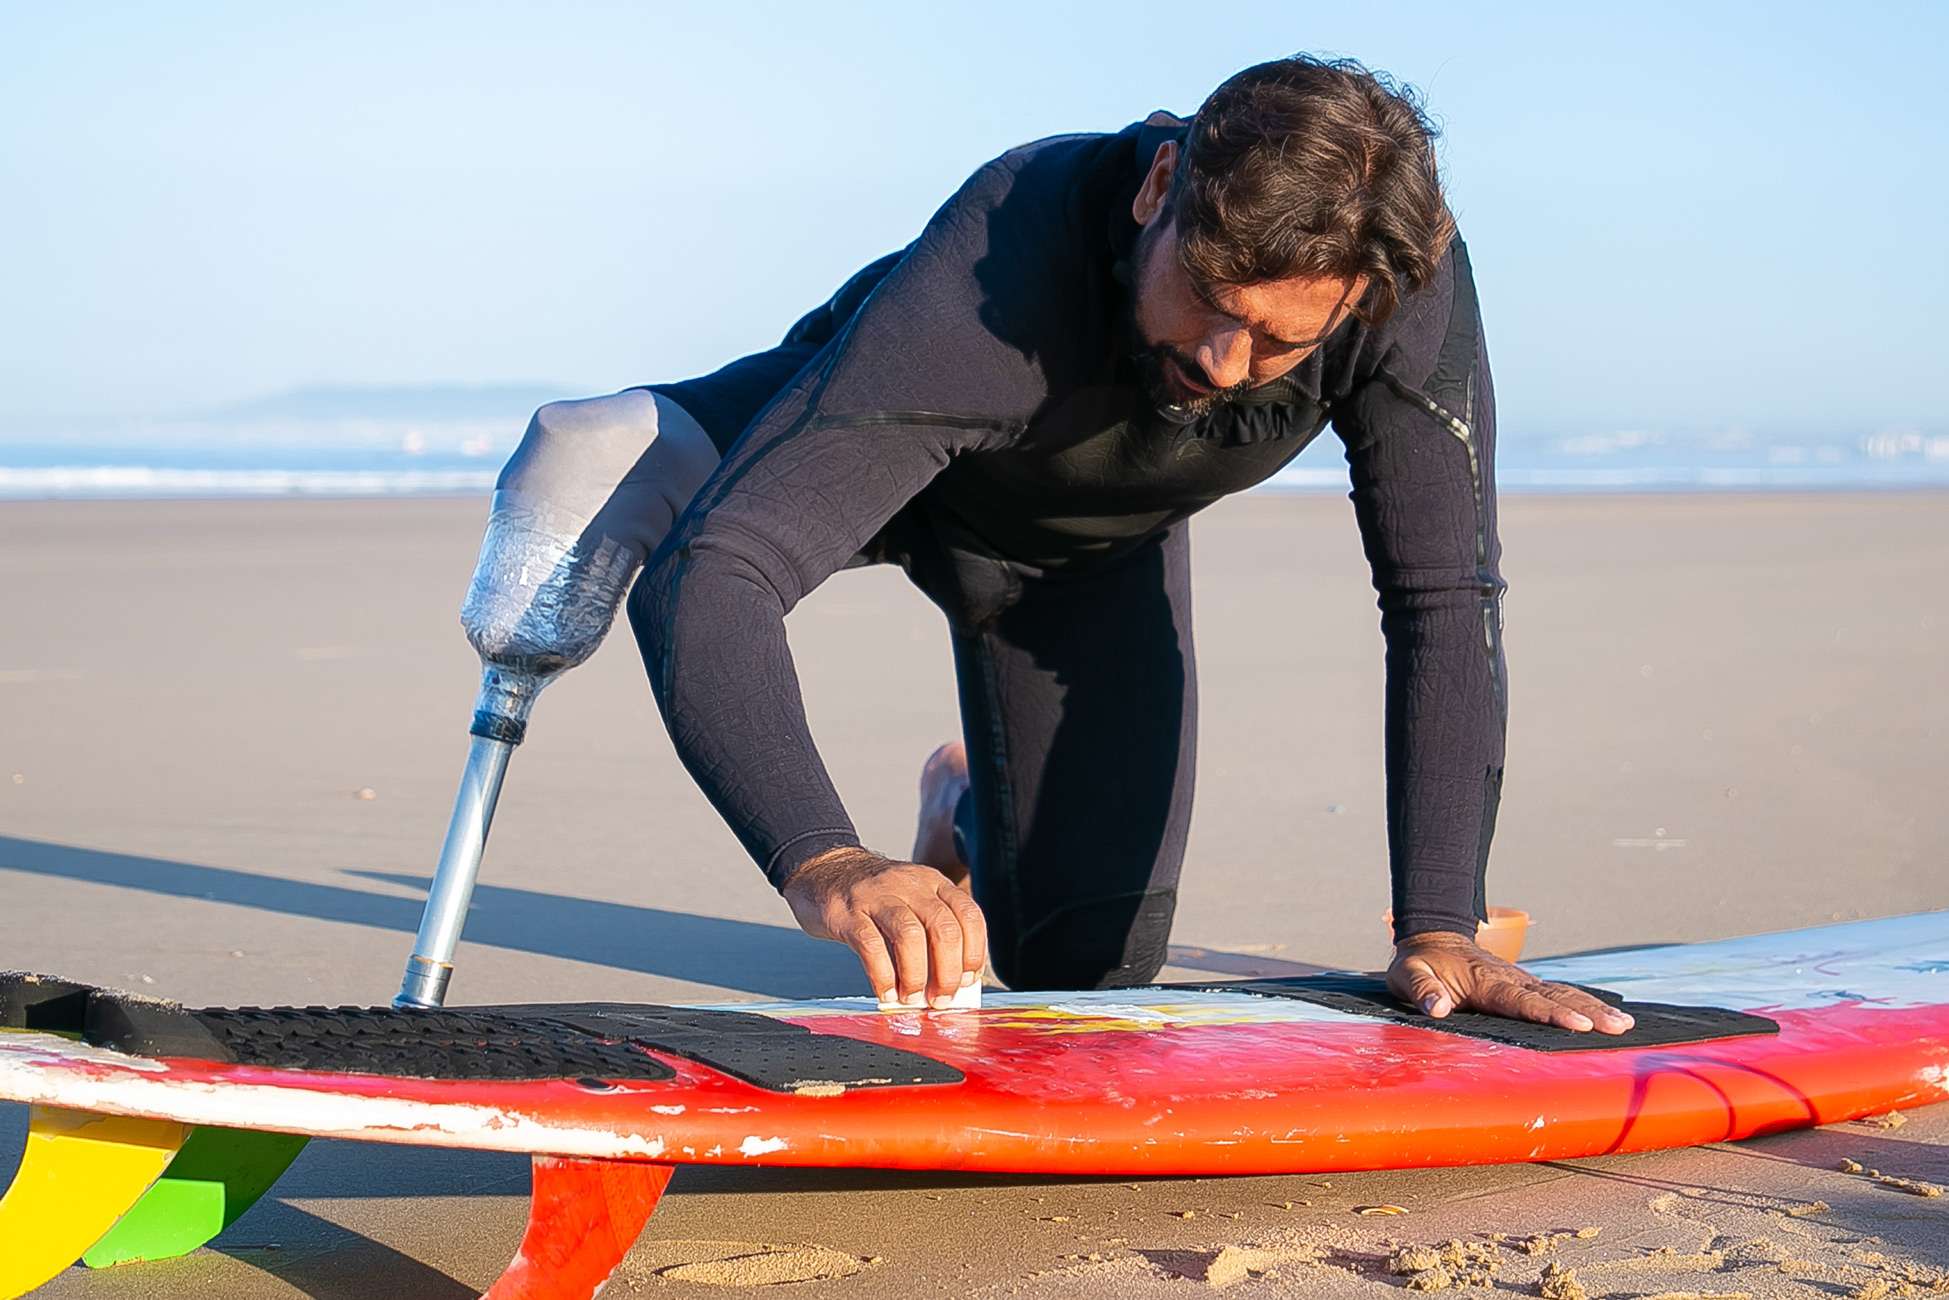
pixel 1683 217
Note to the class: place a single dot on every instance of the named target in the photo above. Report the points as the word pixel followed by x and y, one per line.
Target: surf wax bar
pixel 967 999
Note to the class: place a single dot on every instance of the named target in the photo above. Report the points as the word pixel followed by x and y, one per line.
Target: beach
pixel 230 732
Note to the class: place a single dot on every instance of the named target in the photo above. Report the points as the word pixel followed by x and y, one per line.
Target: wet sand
pixel 1727 715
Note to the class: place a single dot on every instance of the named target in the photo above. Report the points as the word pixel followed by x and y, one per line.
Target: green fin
pixel 219 1173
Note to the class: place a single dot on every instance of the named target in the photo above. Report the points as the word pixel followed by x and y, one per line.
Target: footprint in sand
pixel 741 1263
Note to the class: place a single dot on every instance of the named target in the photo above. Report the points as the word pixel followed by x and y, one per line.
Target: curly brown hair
pixel 1312 167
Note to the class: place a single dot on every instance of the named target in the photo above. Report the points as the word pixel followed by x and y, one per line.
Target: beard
pixel 1160 368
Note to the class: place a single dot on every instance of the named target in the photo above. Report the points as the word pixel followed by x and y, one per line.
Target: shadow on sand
pixel 766 960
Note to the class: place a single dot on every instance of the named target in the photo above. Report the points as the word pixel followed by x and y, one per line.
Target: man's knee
pixel 1106 943
pixel 578 454
pixel 574 453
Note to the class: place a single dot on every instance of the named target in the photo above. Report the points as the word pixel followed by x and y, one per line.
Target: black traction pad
pixel 1659 1024
pixel 771 1053
pixel 435 1044
pixel 593 1042
pixel 30 1001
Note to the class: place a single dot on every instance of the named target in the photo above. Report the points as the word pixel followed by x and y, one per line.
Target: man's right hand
pixel 918 934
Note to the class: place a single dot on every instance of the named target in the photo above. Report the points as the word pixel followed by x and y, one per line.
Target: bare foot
pixel 943 778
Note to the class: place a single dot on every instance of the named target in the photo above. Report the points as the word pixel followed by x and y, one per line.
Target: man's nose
pixel 1226 356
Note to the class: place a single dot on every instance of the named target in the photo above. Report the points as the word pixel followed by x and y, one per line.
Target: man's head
pixel 1306 193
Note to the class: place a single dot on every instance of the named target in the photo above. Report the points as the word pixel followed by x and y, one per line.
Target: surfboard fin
pixel 583 1216
pixel 78 1174
pixel 218 1174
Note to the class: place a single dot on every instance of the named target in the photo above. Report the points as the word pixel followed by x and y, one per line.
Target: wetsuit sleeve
pixel 911 381
pixel 1420 439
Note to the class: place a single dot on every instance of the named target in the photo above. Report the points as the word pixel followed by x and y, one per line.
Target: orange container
pixel 1502 934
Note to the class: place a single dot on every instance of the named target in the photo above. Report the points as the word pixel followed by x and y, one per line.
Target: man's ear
pixel 1157 184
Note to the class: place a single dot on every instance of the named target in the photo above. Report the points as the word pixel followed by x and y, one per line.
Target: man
pixel 1096 337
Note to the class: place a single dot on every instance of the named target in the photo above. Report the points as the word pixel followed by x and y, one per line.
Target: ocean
pixel 463 461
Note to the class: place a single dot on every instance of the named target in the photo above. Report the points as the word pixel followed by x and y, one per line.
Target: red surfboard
pixel 1315 1074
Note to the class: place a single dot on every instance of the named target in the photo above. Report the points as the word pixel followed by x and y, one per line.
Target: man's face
pixel 1202 345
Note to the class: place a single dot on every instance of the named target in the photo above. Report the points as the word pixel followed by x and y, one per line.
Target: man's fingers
pixel 974 931
pixel 907 939
pixel 1607 1018
pixel 920 938
pixel 864 938
pixel 943 951
pixel 1505 997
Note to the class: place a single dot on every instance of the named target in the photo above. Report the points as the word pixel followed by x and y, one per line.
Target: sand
pixel 229 734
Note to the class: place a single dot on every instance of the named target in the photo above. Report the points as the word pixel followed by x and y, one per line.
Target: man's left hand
pixel 1441 972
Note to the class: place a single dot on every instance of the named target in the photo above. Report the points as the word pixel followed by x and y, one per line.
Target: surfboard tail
pixel 210 1179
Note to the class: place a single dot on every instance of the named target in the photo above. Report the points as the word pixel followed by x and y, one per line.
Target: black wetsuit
pixel 968 409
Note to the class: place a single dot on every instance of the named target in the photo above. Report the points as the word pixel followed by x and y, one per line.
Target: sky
pixel 1682 217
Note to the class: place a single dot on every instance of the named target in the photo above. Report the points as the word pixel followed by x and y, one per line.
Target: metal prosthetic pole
pixel 431 965
pixel 494 737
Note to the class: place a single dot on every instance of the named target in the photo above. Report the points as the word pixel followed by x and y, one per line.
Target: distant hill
pixel 395 402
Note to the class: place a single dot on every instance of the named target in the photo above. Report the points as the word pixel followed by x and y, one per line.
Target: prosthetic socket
pixel 578 507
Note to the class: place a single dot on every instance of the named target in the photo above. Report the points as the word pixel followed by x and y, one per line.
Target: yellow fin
pixel 79 1173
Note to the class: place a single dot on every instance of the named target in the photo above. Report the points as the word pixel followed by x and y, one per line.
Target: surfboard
pixel 1313 1074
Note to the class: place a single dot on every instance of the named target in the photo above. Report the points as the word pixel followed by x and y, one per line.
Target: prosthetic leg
pixel 591 490
pixel 544 592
